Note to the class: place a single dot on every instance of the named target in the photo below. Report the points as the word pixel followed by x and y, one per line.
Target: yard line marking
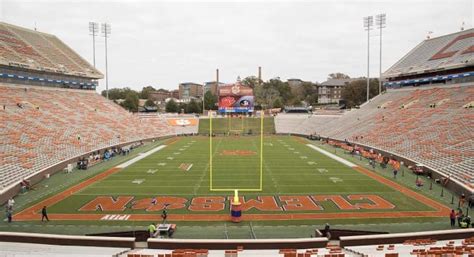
pixel 138 181
pixel 141 156
pixel 333 156
pixel 150 171
pixel 335 179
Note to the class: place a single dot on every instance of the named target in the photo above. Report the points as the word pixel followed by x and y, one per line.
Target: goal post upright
pixel 210 150
pixel 262 114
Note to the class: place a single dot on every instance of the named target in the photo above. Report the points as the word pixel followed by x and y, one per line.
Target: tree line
pixel 273 93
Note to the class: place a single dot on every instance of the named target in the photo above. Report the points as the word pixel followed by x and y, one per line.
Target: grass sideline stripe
pixel 332 156
pixel 139 157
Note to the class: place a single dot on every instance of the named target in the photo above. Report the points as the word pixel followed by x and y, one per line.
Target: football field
pixel 297 182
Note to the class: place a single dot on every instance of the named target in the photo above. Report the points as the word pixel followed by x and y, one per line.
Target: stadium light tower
pixel 368 23
pixel 380 21
pixel 93 30
pixel 106 30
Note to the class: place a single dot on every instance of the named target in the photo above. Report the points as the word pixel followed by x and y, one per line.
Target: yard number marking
pixel 150 171
pixel 335 179
pixel 138 181
pixel 323 170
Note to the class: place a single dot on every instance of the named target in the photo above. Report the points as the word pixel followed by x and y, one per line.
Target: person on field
pixel 462 200
pixel 459 216
pixel 164 215
pixel 44 214
pixel 452 217
pixel 10 203
pixel 152 230
pixel 470 201
pixel 9 215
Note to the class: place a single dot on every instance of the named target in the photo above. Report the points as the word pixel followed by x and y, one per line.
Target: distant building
pixel 190 90
pixel 174 94
pixel 295 82
pixel 212 86
pixel 330 91
pixel 160 95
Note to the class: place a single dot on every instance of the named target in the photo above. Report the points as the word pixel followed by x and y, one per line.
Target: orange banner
pixel 183 122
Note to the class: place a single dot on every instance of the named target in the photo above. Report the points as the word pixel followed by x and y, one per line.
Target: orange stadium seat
pixel 68 123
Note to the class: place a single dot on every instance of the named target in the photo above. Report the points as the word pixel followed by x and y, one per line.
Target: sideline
pixel 333 156
pixel 140 156
pixel 32 211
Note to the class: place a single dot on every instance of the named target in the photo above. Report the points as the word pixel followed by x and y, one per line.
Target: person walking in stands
pixel 44 214
pixel 452 217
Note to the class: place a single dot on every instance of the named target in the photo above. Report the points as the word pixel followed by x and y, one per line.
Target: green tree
pixel 171 106
pixel 145 93
pixel 210 101
pixel 182 107
pixel 356 92
pixel 131 101
pixel 338 75
pixel 310 93
pixel 251 81
pixel 277 103
pixel 193 107
pixel 114 93
pixel 265 96
pixel 150 103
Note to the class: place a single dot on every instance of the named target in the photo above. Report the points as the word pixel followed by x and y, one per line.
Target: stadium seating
pixel 420 247
pixel 40 51
pixel 41 126
pixel 439 53
pixel 427 125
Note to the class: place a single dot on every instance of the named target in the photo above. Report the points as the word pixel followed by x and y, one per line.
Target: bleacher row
pixel 40 127
pixel 416 248
pixel 448 51
pixel 427 125
pixel 40 51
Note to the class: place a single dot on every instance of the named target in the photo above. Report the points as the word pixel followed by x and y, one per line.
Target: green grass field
pixel 289 168
pixel 237 125
pixel 282 172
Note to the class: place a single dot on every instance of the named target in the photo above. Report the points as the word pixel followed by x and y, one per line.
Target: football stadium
pixel 82 176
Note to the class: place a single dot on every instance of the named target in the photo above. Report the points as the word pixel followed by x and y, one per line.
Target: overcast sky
pixel 165 43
